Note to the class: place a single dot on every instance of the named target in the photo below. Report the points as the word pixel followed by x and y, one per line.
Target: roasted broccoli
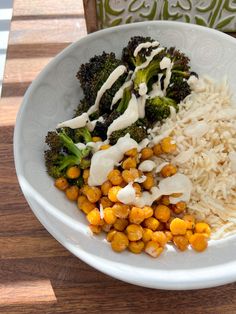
pixel 178 88
pixel 137 131
pixel 82 135
pixel 92 76
pixel 158 108
pixel 128 52
pixel 63 153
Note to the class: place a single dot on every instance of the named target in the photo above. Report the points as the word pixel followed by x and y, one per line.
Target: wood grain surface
pixel 37 275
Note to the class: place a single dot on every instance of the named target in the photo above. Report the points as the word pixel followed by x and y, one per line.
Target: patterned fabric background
pixel 219 14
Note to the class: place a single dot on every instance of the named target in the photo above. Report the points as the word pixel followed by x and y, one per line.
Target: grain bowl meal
pixel 150 154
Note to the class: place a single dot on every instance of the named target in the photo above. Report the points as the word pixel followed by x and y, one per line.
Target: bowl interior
pixel 52 98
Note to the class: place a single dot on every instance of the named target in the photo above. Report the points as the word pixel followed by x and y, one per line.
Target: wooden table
pixel 37 275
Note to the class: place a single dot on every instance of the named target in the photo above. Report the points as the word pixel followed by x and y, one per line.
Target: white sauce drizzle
pixel 130 116
pixel 104 161
pixel 127 195
pixel 166 64
pixel 119 93
pixel 120 70
pixel 149 59
pixel 145 46
pixel 178 183
pixel 147 166
pixel 156 88
pixel 91 124
pixel 141 106
pixel 142 89
pixel 77 122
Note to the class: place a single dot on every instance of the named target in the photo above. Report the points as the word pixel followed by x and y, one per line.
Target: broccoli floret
pixel 158 108
pixel 178 88
pixel 137 131
pixel 179 59
pixel 92 76
pixel 128 52
pixel 58 158
pixel 82 135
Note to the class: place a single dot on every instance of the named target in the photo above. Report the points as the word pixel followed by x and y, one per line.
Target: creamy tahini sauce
pixel 156 88
pixel 166 64
pixel 178 183
pixel 119 93
pixel 120 70
pixel 130 116
pixel 141 106
pixel 147 166
pixel 104 161
pixel 75 123
pixel 145 46
pixel 127 195
pixel 149 59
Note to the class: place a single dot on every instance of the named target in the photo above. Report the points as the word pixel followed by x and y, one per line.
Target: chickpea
pixel 119 242
pixel 138 189
pixel 147 234
pixel 61 183
pixel 136 215
pixel 95 229
pixel 134 232
pixel 121 210
pixel 73 172
pixel 148 211
pixel 151 223
pixel 128 163
pixel 153 249
pixel 105 202
pixel 149 182
pixel 168 145
pixel 169 236
pixel 198 242
pixel 94 217
pixel 190 220
pixel 168 170
pixel 146 153
pixel 178 226
pixel 179 207
pixel 112 194
pixel 181 242
pixel 132 152
pixel 93 194
pixel 160 237
pixel 72 193
pixel 120 224
pixel 136 247
pixel 202 227
pixel 86 206
pixel 115 177
pixel 157 150
pixel 109 216
pixel 105 187
pixel 111 234
pixel 130 175
pixel 86 175
pixel 162 213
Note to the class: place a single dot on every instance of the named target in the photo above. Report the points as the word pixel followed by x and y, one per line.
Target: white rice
pixel 205 133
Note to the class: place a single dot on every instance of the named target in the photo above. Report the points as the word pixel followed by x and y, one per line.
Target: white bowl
pixel 52 98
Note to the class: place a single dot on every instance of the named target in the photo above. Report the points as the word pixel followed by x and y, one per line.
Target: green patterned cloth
pixel 211 13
